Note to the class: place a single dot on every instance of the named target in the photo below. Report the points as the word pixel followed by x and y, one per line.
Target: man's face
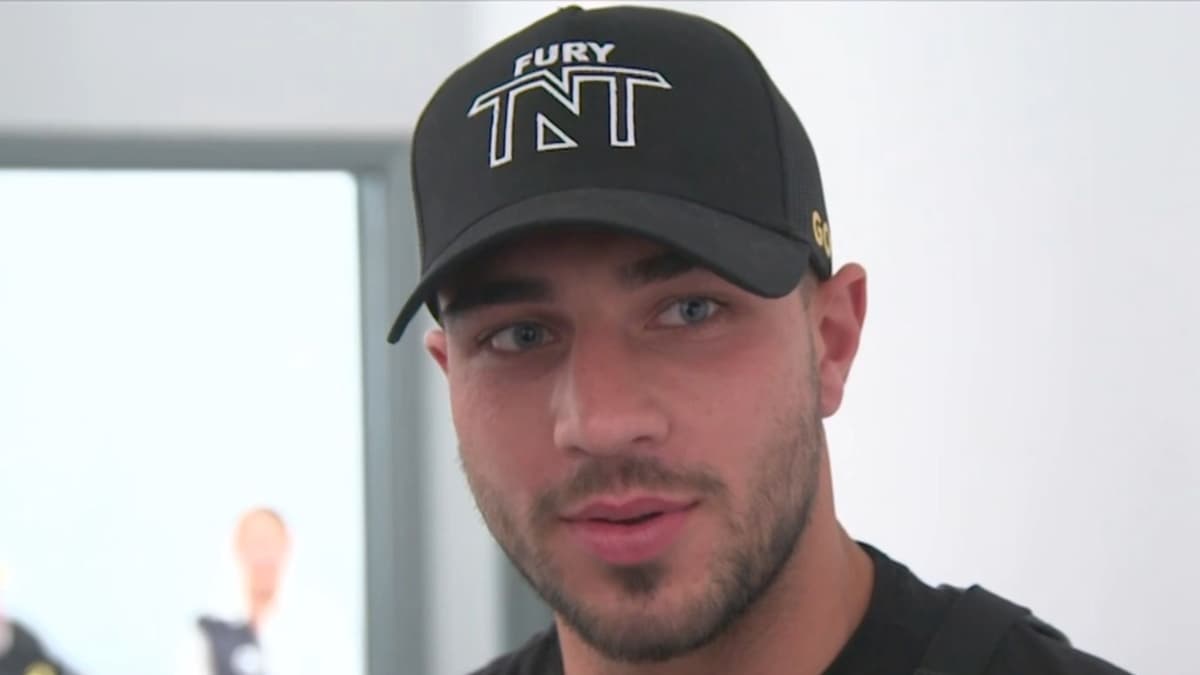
pixel 642 437
pixel 262 547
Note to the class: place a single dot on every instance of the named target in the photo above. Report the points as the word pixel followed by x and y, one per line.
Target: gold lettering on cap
pixel 821 233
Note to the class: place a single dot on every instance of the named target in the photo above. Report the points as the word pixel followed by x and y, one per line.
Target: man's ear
pixel 435 344
pixel 839 308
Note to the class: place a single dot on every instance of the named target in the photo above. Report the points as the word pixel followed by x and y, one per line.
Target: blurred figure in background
pixel 269 630
pixel 21 653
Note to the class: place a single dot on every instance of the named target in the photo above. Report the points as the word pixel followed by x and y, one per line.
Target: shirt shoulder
pixel 986 633
pixel 1032 647
pixel 539 656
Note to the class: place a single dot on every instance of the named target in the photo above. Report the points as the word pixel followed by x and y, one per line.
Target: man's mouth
pixel 628 510
pixel 631 531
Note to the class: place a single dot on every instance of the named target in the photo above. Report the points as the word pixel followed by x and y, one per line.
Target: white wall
pixel 1022 183
pixel 323 68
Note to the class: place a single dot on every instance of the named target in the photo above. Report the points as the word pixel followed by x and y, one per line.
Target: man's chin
pixel 639 626
pixel 634 637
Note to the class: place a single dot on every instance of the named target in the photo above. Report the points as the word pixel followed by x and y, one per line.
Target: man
pixel 21 652
pixel 267 631
pixel 625 243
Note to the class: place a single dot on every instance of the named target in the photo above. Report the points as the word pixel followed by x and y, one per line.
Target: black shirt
pixel 26 656
pixel 902 618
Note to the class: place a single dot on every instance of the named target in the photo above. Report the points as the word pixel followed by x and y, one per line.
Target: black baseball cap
pixel 645 121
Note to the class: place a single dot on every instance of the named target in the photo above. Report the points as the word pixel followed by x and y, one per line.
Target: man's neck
pixel 259 608
pixel 803 620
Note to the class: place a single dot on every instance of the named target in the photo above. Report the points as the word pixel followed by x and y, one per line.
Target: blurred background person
pixel 267 627
pixel 21 652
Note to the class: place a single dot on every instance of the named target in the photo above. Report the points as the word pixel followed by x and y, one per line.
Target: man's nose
pixel 603 400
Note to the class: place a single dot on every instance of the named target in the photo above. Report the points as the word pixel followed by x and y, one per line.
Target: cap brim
pixel 752 256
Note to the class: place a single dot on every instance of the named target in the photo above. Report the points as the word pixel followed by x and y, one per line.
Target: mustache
pixel 604 475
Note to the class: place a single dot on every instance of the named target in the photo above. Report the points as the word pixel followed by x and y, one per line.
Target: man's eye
pixel 688 311
pixel 519 337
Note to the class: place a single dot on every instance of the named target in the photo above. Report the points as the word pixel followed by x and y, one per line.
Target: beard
pixel 754 544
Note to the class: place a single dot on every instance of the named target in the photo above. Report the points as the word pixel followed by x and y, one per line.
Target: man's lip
pixel 615 510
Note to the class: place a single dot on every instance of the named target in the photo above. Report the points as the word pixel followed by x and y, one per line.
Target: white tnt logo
pixel 564 88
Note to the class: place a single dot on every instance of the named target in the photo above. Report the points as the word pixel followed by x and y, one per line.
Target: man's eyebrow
pixel 658 267
pixel 486 292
